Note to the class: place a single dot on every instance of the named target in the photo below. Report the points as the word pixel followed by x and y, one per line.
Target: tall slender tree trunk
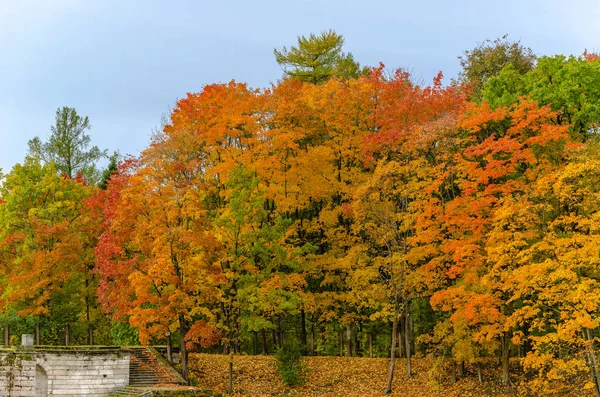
pixel 526 341
pixel 355 341
pixel 505 358
pixel 341 343
pixel 169 348
pixel 349 340
pixel 6 336
pixel 401 345
pixel 91 334
pixel 88 316
pixel 592 359
pixel 37 334
pixel 183 348
pixel 312 339
pixel 388 388
pixel 407 347
pixel 279 332
pixel 479 373
pixel 264 341
pixel 411 334
pixel 370 345
pixel 453 372
pixel 303 331
pixel 230 376
pixel 255 343
pixel 67 335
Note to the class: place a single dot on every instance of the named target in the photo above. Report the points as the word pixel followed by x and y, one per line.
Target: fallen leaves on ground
pixel 343 376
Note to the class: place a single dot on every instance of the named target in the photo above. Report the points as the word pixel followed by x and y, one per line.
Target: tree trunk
pixel 90 334
pixel 388 388
pixel 461 369
pixel 592 360
pixel 312 339
pixel 264 341
pixel 6 336
pixel 411 333
pixel 370 345
pixel 303 331
pixel 453 372
pixel 169 348
pixel 505 358
pixel 355 341
pixel 255 343
pixel 407 321
pixel 37 334
pixel 341 343
pixel 349 340
pixel 230 376
pixel 526 340
pixel 479 373
pixel 88 316
pixel 183 349
pixel 279 332
pixel 67 335
pixel 401 345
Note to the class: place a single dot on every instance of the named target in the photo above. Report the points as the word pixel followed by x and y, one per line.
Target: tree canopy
pixel 357 214
pixel 68 146
pixel 488 58
pixel 317 58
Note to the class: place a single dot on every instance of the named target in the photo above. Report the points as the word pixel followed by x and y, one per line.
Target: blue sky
pixel 125 63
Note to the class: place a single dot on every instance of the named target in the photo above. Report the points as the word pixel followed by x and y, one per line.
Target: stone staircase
pixel 150 374
pixel 163 392
pixel 148 368
pixel 131 391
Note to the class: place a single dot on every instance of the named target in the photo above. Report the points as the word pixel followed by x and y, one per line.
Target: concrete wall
pixel 69 373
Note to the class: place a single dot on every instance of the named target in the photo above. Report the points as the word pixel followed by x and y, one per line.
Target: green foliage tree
pixel 570 85
pixel 317 58
pixel 489 58
pixel 68 146
pixel 289 363
pixel 113 166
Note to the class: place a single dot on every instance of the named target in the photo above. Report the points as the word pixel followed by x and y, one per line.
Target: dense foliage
pixel 361 214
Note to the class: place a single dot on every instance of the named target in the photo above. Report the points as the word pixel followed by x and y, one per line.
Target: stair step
pixel 146 369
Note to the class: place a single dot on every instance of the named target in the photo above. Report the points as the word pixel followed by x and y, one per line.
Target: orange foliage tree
pixel 46 246
pixel 157 255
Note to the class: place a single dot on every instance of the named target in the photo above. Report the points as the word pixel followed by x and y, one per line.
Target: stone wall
pixel 63 372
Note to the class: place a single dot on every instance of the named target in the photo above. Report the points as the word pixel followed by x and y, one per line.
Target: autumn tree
pixel 157 256
pixel 506 150
pixel 317 58
pixel 259 280
pixel 47 248
pixel 487 59
pixel 557 280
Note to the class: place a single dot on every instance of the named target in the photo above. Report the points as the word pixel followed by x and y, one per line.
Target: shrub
pixel 289 363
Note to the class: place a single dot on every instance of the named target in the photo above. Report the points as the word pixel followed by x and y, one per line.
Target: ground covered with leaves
pixel 345 376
